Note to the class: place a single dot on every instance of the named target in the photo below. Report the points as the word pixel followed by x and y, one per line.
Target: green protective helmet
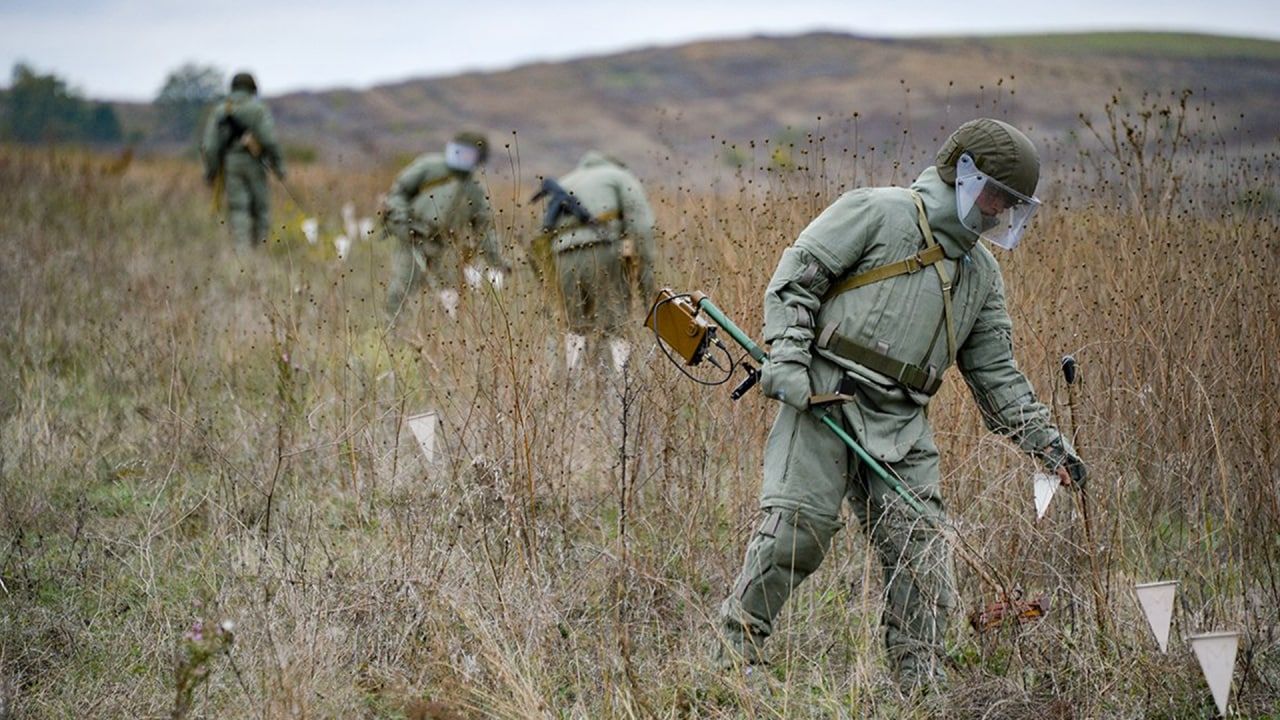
pixel 244 81
pixel 999 150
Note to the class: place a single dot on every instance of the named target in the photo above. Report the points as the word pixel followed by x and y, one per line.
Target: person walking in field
pixel 438 214
pixel 879 295
pixel 239 149
pixel 600 228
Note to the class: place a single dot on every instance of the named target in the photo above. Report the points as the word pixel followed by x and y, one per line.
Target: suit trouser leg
pixel 919 583
pixel 408 273
pixel 239 207
pixel 805 471
pixel 261 203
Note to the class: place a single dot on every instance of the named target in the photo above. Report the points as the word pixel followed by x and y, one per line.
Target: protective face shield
pixel 989 208
pixel 461 157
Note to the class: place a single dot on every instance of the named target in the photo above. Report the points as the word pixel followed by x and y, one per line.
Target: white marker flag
pixel 311 230
pixel 1217 655
pixel 423 426
pixel 1157 603
pixel 1045 485
pixel 574 344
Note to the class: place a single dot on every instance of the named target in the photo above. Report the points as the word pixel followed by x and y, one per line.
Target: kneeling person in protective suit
pixel 600 226
pixel 437 212
pixel 879 295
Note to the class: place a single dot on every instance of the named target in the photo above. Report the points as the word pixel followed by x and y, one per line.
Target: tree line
pixel 42 108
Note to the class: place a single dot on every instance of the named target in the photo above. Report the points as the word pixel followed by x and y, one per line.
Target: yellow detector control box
pixel 677 323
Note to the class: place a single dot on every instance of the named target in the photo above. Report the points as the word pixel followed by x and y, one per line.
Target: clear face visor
pixel 989 208
pixel 461 157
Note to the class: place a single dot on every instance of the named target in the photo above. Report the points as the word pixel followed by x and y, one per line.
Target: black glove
pixel 1076 469
pixel 1057 455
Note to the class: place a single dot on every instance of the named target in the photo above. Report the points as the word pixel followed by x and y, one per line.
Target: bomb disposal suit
pixel 238 149
pixel 438 214
pixel 599 224
pixel 879 295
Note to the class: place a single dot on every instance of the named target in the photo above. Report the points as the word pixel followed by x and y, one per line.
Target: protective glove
pixel 786 381
pixel 1076 469
pixel 1057 455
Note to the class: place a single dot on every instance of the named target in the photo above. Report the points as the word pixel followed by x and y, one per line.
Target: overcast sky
pixel 122 49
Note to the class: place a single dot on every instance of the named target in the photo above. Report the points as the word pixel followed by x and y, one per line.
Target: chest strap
pixel 911 376
pixel 915 263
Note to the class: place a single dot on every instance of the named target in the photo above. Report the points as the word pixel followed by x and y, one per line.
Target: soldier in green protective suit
pixel 600 229
pixel 438 213
pixel 239 148
pixel 881 293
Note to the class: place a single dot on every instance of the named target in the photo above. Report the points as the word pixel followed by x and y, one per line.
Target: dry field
pixel 190 434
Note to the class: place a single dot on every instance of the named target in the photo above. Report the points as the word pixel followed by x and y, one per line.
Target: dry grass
pixel 191 434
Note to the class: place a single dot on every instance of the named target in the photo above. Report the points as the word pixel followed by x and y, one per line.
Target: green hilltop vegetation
pixel 1138 44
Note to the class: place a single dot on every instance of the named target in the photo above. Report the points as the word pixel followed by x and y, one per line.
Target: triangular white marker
pixel 473 275
pixel 574 344
pixel 1045 486
pixel 449 299
pixel 1217 655
pixel 1157 603
pixel 349 220
pixel 621 351
pixel 311 230
pixel 423 427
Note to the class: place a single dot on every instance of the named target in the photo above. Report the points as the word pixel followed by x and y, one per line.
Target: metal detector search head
pixel 675 320
pixel 1013 610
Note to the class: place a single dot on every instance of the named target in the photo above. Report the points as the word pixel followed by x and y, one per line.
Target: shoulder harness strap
pixel 943 278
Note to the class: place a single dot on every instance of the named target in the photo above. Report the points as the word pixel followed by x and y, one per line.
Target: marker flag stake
pixel 1157 604
pixel 1045 486
pixel 1217 655
pixel 423 427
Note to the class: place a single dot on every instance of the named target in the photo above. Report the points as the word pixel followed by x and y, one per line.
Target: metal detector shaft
pixel 705 305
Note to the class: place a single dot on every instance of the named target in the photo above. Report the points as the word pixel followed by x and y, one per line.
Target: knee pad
pixel 799 543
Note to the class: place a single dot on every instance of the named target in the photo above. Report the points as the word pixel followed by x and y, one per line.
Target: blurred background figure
pixel 239 148
pixel 438 214
pixel 599 228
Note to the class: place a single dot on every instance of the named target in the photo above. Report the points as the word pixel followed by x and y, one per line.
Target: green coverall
pixel 808 472
pixel 436 215
pixel 248 198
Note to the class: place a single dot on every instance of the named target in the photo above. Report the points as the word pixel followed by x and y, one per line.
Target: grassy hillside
pixel 190 434
pixel 662 107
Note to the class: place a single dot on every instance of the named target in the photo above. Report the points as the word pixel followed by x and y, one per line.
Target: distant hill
pixel 661 106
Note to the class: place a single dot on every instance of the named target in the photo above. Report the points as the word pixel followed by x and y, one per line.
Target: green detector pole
pixel 705 305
